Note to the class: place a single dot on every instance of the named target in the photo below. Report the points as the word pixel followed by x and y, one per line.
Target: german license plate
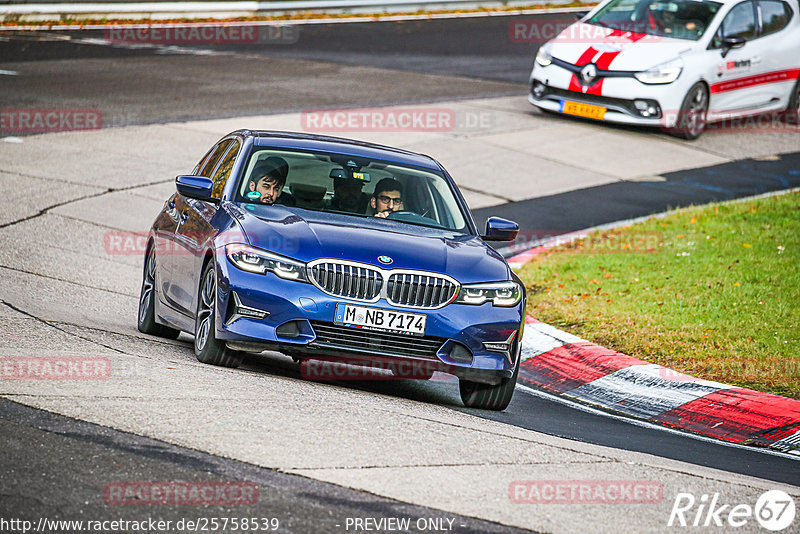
pixel 583 110
pixel 380 319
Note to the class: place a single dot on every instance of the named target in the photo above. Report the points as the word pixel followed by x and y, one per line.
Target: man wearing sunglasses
pixel 387 198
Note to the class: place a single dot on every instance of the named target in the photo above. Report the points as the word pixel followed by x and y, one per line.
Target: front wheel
pixel 207 347
pixel 147 302
pixel 692 117
pixel 486 397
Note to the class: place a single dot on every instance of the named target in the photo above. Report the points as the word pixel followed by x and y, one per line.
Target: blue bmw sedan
pixel 330 249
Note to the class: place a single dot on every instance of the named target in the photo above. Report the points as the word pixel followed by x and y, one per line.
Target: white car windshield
pixel 678 19
pixel 350 185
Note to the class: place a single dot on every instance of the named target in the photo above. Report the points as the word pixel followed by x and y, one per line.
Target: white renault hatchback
pixel 676 64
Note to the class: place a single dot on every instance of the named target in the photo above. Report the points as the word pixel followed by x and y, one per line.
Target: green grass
pixel 712 291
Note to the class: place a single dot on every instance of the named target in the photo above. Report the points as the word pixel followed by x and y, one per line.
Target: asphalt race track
pixel 321 453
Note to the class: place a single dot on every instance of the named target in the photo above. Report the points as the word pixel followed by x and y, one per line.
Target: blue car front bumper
pixel 300 322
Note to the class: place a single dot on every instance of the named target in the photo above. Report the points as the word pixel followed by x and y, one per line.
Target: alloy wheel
pixel 148 284
pixel 696 113
pixel 206 309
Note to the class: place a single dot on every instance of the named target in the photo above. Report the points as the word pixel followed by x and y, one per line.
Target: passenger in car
pixel 267 181
pixel 347 196
pixel 387 198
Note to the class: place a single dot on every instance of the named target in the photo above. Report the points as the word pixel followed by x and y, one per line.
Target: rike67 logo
pixel 774 510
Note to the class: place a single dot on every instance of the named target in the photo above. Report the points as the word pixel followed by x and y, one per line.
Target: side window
pixel 775 16
pixel 739 22
pixel 207 167
pixel 224 170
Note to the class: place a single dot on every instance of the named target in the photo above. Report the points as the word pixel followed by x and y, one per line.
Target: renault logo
pixel 386 260
pixel 589 73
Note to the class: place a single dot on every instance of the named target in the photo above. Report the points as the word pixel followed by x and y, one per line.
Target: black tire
pixel 486 397
pixel 692 117
pixel 147 302
pixel 792 114
pixel 207 347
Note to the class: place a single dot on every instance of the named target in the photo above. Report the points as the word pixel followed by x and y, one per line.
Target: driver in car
pixel 267 181
pixel 387 198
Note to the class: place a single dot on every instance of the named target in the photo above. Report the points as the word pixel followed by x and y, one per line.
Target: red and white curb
pixel 563 364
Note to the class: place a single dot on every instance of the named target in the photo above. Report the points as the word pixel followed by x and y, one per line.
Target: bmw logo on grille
pixel 386 260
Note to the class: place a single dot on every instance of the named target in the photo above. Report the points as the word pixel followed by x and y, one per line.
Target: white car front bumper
pixel 617 95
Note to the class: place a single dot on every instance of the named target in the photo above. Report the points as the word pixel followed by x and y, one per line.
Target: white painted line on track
pixel 652 426
pixel 9 72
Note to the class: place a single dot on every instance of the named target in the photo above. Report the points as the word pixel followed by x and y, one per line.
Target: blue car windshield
pixel 678 19
pixel 348 185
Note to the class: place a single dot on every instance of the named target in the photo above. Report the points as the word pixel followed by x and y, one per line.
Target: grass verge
pixel 713 291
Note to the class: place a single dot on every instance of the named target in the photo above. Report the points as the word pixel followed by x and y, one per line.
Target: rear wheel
pixel 691 121
pixel 207 347
pixel 486 397
pixel 792 113
pixel 147 302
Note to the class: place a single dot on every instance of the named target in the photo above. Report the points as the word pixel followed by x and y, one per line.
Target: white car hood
pixel 615 49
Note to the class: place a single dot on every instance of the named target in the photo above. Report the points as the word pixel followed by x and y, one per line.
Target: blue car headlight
pixel 255 260
pixel 500 293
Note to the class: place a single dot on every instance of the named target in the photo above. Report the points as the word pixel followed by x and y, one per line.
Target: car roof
pixel 337 145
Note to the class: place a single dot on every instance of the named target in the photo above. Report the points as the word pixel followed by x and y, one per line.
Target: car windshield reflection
pixel 349 186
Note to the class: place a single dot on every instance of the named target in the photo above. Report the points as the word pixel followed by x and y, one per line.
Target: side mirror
pixel 198 187
pixel 729 43
pixel 580 14
pixel 498 229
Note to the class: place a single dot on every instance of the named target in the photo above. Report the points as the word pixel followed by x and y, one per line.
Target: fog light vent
pixel 504 347
pixel 538 89
pixel 461 354
pixel 647 108
pixel 290 329
pixel 236 310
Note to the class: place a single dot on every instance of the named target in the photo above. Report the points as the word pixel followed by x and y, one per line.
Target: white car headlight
pixel 255 260
pixel 500 293
pixel 664 73
pixel 543 56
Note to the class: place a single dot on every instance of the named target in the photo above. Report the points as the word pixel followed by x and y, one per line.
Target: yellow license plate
pixel 583 110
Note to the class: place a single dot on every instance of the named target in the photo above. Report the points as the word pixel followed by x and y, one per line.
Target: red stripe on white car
pixel 602 60
pixel 758 79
